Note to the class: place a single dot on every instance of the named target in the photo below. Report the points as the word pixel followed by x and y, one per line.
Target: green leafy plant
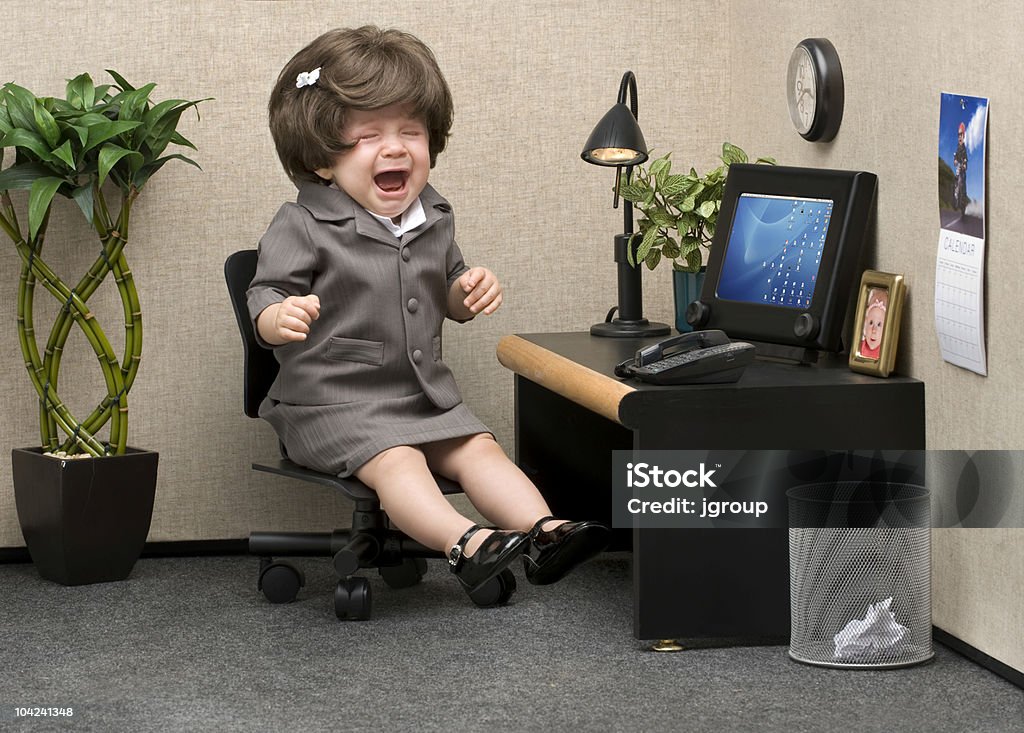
pixel 677 212
pixel 98 138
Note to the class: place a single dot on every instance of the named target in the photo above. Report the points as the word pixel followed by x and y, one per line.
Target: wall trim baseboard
pixel 180 548
pixel 14 554
pixel 979 657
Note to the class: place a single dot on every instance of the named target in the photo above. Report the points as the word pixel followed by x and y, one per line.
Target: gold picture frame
pixel 876 328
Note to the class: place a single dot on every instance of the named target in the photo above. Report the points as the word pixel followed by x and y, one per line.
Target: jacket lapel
pixel 435 207
pixel 327 203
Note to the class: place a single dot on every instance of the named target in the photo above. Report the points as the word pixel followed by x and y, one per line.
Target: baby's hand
pixel 483 290
pixel 293 316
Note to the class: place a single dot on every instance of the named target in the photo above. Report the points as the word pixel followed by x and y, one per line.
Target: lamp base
pixel 617 328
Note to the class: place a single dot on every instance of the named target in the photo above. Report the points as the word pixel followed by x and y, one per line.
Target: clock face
pixel 802 91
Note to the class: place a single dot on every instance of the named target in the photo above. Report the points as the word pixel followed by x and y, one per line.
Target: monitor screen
pixel 786 255
pixel 774 250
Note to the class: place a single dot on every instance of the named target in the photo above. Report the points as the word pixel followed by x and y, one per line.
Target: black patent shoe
pixel 552 553
pixel 494 555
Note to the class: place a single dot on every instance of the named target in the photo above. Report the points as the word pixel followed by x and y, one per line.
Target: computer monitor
pixel 785 255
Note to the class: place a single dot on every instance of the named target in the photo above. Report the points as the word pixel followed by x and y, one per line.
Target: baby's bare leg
pixel 412 500
pixel 494 484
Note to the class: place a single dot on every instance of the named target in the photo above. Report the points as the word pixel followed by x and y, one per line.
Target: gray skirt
pixel 338 439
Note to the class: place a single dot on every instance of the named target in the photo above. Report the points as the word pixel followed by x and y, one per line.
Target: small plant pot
pixel 84 520
pixel 686 287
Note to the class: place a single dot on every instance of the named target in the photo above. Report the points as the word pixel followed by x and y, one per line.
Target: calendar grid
pixel 958 313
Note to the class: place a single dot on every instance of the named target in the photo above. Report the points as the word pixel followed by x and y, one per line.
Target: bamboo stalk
pixel 26 332
pixel 113 239
pixel 26 338
pixel 94 335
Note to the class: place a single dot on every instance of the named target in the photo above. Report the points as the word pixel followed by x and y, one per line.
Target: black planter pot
pixel 84 520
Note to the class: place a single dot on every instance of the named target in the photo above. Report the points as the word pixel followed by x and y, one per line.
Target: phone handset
pixel 676 344
pixel 697 357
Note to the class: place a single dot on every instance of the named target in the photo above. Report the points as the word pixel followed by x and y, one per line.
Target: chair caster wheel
pixel 352 599
pixel 280 581
pixel 409 573
pixel 496 591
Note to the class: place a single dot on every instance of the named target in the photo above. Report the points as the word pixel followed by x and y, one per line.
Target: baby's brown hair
pixel 360 68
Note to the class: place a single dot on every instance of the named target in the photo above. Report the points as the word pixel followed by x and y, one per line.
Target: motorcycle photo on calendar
pixel 962 164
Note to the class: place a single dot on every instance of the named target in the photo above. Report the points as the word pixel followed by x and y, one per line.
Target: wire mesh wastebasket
pixel 860 574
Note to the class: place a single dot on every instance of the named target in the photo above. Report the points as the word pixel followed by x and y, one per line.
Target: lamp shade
pixel 616 140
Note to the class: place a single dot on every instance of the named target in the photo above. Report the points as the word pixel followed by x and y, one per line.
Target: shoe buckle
pixel 455 557
pixel 457 553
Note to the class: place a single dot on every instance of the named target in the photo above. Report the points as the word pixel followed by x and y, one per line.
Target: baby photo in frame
pixel 876 329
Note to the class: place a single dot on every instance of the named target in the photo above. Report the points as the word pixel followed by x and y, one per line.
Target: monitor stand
pixel 782 352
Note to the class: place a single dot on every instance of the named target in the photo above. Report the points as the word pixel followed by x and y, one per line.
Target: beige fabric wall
pixel 530 79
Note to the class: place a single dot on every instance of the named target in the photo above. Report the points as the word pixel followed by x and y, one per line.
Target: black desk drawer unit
pixel 723 584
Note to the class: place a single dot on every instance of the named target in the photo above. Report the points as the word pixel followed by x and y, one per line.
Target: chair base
pixel 370 543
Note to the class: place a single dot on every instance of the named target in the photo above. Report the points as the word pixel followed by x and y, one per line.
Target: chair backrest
pixel 260 365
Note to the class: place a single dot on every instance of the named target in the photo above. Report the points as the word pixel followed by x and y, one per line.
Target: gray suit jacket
pixel 382 300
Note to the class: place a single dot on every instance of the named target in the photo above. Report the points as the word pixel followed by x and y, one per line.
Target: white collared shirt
pixel 413 217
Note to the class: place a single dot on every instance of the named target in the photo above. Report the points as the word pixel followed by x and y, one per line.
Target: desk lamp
pixel 617 141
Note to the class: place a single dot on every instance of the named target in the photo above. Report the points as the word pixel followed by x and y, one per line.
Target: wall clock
pixel 814 89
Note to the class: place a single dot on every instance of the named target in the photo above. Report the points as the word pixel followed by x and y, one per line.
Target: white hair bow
pixel 307 78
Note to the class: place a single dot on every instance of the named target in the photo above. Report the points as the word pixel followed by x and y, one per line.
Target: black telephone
pixel 698 357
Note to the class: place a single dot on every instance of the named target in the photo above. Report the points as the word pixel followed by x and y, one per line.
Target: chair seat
pixel 352 487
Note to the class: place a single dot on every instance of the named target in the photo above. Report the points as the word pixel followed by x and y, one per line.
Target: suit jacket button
pixel 405 255
pixel 417 356
pixel 413 305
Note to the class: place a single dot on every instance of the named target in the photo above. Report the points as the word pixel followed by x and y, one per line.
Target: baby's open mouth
pixel 391 181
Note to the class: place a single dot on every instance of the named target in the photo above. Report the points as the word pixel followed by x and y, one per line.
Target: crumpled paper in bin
pixel 876 632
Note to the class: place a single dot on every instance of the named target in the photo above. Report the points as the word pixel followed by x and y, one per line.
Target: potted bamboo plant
pixel 84 499
pixel 677 218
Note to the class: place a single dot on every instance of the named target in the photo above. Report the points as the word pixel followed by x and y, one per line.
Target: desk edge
pixel 593 390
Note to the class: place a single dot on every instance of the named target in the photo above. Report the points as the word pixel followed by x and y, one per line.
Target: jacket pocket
pixel 360 350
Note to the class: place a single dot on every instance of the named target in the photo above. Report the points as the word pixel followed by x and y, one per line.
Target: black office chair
pixel 370 543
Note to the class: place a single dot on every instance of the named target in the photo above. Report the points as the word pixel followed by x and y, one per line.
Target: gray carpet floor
pixel 188 644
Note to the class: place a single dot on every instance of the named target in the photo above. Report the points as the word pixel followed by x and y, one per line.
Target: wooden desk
pixel 571 412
